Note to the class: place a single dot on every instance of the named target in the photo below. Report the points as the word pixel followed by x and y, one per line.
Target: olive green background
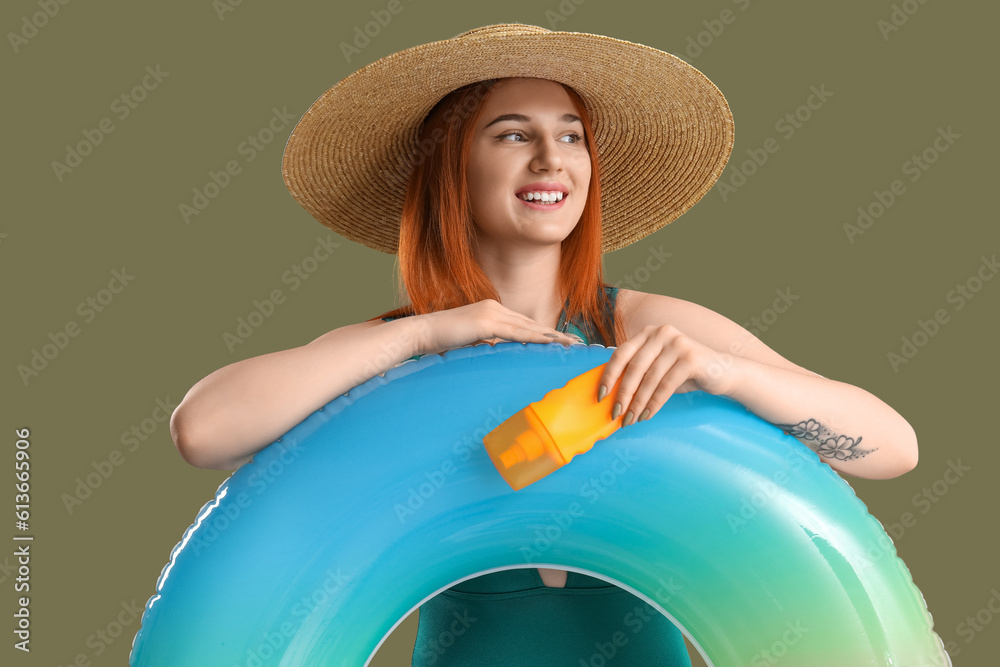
pixel 783 229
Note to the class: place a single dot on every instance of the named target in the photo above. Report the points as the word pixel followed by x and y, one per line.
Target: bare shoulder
pixel 642 309
pixel 638 309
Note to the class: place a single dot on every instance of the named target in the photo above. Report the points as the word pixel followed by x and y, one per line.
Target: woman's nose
pixel 546 157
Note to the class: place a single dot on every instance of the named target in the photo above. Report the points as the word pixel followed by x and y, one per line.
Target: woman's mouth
pixel 543 199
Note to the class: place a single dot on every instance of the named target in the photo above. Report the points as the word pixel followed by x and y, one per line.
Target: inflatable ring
pixel 306 555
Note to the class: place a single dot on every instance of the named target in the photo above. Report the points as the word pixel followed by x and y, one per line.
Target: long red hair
pixel 437 267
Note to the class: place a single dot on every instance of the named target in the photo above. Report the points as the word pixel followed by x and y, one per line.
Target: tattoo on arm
pixel 825 442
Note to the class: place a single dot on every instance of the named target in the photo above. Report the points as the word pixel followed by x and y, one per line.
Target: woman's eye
pixel 574 137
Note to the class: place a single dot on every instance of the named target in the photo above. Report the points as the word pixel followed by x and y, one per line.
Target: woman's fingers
pixel 615 370
pixel 647 367
pixel 526 330
pixel 488 321
pixel 640 378
pixel 561 334
pixel 658 385
pixel 655 364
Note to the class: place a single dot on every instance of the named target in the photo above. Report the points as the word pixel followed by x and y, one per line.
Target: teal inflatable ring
pixel 306 555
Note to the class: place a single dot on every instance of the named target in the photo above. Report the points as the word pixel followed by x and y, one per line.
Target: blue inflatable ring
pixel 315 550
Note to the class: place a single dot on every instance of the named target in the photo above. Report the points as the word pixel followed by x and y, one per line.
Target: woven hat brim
pixel 663 131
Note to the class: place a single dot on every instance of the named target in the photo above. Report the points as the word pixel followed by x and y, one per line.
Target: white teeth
pixel 550 197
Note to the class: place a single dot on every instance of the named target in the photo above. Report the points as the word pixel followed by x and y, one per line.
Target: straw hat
pixel 663 131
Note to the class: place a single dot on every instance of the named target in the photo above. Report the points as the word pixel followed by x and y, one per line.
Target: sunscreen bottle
pixel 546 434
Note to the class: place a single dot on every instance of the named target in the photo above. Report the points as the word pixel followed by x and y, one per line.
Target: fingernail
pixel 551 335
pixel 615 412
pixel 601 392
pixel 645 413
pixel 628 419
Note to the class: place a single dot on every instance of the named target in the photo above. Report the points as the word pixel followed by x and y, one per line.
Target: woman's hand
pixel 484 321
pixel 658 362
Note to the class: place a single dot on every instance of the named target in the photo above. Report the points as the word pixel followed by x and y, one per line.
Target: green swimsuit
pixel 512 619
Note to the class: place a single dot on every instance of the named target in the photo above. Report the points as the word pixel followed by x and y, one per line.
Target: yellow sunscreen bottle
pixel 546 434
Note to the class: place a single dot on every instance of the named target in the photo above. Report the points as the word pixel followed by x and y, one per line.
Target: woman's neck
pixel 527 282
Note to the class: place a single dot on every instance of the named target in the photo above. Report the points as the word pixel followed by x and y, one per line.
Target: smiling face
pixel 529 139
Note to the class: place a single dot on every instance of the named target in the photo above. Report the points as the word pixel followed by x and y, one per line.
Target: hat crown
pixel 503 30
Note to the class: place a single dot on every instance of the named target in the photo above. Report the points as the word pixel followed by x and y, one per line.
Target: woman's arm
pixel 241 408
pixel 851 430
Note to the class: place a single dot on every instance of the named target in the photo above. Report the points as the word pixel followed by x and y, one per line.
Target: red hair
pixel 437 267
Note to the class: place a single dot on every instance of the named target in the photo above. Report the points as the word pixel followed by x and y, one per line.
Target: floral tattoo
pixel 825 442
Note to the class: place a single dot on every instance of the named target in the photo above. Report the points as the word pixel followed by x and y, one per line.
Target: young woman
pixel 499 165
